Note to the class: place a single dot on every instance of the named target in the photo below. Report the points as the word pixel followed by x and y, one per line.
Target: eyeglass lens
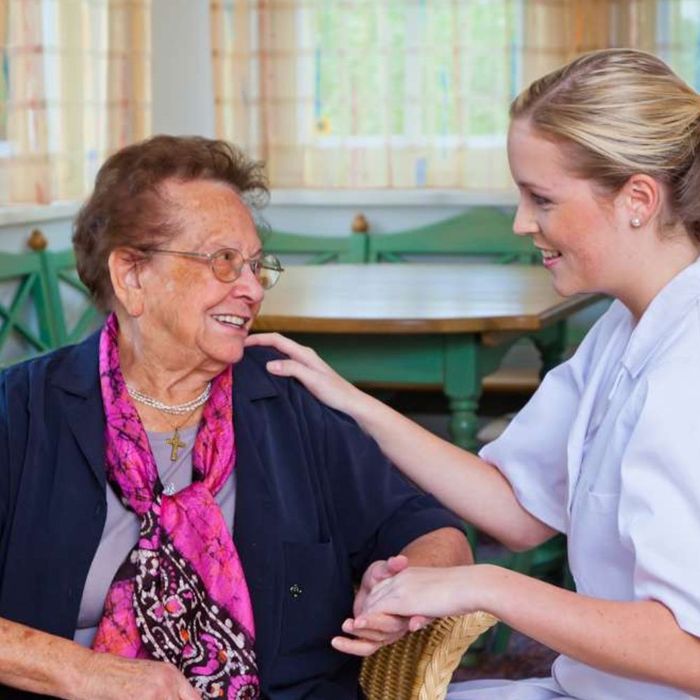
pixel 228 264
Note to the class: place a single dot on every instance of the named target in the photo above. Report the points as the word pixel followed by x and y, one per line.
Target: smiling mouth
pixel 231 320
pixel 548 255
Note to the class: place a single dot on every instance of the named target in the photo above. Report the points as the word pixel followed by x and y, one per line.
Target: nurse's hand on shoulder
pixel 305 365
pixel 111 677
pixel 428 591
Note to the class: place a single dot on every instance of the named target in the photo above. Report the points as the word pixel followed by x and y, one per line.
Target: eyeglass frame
pixel 209 257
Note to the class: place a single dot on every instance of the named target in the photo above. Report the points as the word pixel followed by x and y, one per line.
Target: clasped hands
pixel 369 630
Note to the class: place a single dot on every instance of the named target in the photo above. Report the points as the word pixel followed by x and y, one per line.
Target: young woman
pixel 605 154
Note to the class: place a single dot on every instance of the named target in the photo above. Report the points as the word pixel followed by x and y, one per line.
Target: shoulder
pixel 664 399
pixel 251 378
pixel 252 381
pixel 617 320
pixel 16 380
pixel 673 366
pixel 68 362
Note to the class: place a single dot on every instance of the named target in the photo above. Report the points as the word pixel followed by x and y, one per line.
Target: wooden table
pixel 419 324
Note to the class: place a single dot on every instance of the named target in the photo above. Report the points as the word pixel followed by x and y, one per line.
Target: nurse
pixel 606 156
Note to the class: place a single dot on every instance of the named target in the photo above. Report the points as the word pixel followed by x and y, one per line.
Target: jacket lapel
pixel 80 399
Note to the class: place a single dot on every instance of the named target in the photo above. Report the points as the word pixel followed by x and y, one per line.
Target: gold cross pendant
pixel 175 445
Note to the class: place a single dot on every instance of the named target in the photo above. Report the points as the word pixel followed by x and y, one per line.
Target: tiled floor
pixel 524 658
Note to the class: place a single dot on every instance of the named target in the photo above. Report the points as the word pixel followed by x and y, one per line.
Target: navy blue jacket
pixel 316 503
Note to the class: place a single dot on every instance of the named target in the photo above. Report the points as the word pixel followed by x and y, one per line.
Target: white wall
pixel 17 223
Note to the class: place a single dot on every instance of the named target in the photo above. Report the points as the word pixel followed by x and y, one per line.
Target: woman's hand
pixel 427 591
pixel 111 677
pixel 306 366
pixel 370 632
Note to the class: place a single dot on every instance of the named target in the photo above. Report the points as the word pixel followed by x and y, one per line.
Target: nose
pixel 524 223
pixel 247 285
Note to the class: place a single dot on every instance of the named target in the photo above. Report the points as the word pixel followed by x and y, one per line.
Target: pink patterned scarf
pixel 180 595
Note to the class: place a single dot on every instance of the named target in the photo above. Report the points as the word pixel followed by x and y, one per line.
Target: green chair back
pixel 26 327
pixel 481 232
pixel 73 314
pixel 317 249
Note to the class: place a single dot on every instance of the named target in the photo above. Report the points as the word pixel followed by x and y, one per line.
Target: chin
pixel 225 356
pixel 567 288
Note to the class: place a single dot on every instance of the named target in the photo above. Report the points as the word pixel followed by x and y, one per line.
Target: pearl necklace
pixel 179 409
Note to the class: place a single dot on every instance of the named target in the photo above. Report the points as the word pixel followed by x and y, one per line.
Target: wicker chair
pixel 420 666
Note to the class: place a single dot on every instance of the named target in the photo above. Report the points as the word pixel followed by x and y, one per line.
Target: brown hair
pixel 126 208
pixel 619 112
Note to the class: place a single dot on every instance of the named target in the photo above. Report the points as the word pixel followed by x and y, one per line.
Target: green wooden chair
pixel 483 233
pixel 26 328
pixel 72 311
pixel 315 249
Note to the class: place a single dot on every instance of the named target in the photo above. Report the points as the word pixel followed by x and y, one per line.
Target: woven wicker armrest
pixel 420 666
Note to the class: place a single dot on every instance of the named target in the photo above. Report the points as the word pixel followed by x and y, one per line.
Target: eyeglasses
pixel 227 264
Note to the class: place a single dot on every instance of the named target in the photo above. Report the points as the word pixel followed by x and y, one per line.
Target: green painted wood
pixel 317 249
pixel 61 280
pixel 25 319
pixel 482 232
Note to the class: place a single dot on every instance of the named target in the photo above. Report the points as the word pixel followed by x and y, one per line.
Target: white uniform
pixel 608 452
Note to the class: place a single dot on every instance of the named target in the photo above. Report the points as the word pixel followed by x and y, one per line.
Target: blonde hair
pixel 619 112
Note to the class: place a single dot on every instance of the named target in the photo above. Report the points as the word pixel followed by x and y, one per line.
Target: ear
pixel 124 264
pixel 639 201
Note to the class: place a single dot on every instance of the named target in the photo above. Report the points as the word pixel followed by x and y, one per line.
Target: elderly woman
pixel 172 526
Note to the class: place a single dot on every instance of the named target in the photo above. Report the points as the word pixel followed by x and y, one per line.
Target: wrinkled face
pixel 577 232
pixel 188 313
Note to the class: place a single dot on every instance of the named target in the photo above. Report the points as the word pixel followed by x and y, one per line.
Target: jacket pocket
pixel 317 596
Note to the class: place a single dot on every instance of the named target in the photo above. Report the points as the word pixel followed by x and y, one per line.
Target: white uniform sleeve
pixel 532 451
pixel 660 491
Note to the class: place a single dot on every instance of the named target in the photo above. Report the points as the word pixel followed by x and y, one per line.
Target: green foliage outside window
pixel 449 68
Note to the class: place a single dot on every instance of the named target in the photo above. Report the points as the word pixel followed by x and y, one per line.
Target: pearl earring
pixel 635 222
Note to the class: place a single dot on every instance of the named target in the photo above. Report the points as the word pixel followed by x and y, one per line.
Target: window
pixel 73 88
pixel 678 37
pixel 369 93
pixel 410 93
pixel 439 72
pixel 4 78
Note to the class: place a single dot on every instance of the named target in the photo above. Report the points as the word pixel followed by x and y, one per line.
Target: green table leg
pixel 551 345
pixel 462 386
pixel 463 422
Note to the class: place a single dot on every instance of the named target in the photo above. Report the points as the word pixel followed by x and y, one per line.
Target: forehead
pixel 533 158
pixel 206 211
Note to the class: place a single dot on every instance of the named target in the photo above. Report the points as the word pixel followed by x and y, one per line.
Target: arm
pixel 443 547
pixel 639 639
pixel 49 665
pixel 464 483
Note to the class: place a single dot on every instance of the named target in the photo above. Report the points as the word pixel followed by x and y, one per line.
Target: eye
pixel 539 200
pixel 227 255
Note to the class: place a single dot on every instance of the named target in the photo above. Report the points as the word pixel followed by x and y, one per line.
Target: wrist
pixel 77 673
pixel 491 587
pixel 364 408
